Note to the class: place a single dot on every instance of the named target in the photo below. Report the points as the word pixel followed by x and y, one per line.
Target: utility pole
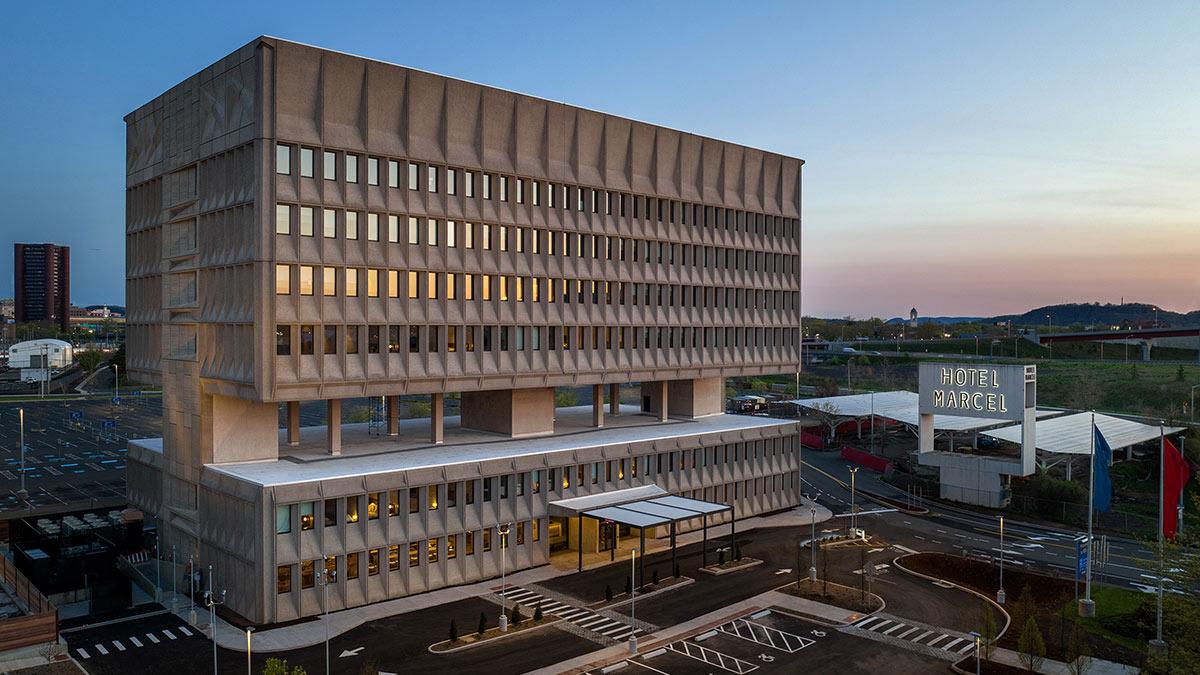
pixel 633 599
pixel 22 493
pixel 503 530
pixel 210 599
pixel 1157 645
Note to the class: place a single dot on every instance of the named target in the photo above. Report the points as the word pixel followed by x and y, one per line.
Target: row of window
pixel 446 495
pixel 393 172
pixel 505 288
pixel 435 232
pixel 435 548
pixel 520 338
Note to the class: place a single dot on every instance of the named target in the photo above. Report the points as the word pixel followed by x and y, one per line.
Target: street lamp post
pixel 978 641
pixel 116 381
pixel 504 529
pixel 22 493
pixel 812 556
pixel 210 599
pixel 325 578
pixel 192 595
pixel 633 600
pixel 1000 593
pixel 249 630
pixel 853 519
pixel 1193 409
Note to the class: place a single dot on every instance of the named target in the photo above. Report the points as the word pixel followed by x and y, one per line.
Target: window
pixel 503 188
pixel 414 339
pixel 351 282
pixel 283 159
pixel 372 562
pixel 352 225
pixel 393 173
pixel 330 568
pixel 414 230
pixel 451 495
pixel 487 489
pixel 451 547
pixel 536 188
pixel 431 231
pixel 413 171
pixel 469 489
pixel 431 178
pixel 307 521
pixel 372 283
pixel 283 279
pixel 329 281
pixel 329 165
pixel 372 171
pixel 433 497
pixel 536 526
pixel 487 539
pixel 414 500
pixel 451 181
pixel 306 339
pixel 352 565
pixel 414 289
pixel 469 542
pixel 503 487
pixel 414 555
pixel 451 338
pixel 520 534
pixel 450 288
pixel 393 229
pixel 432 549
pixel 330 340
pixel 431 285
pixel 306 221
pixel 487 186
pixel 307 573
pixel 393 284
pixel 393 557
pixel 468 235
pixel 283 579
pixel 433 339
pixel 283 340
pixel 351 168
pixel 329 223
pixel 283 219
pixel 469 289
pixel 306 162
pixel 451 238
pixel 537 481
pixel 373 506
pixel 352 509
pixel 283 519
pixel 469 183
pixel 330 513
pixel 372 227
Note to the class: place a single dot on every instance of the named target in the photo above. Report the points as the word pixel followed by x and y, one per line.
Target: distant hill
pixel 1087 314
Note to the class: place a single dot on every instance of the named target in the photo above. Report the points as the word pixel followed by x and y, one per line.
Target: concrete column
pixel 333 426
pixel 437 415
pixel 614 399
pixel 293 422
pixel 393 415
pixel 597 405
pixel 662 397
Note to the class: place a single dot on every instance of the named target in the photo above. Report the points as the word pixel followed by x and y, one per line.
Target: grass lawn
pixel 1110 602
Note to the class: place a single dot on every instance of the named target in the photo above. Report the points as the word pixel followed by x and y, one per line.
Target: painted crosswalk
pixel 125 644
pixel 586 619
pixel 900 630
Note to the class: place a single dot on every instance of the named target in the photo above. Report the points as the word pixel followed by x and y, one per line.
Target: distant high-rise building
pixel 7 308
pixel 42 279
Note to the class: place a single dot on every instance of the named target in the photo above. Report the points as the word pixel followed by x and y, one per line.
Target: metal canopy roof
pixel 691 504
pixel 627 517
pixel 901 406
pixel 575 505
pixel 653 507
pixel 1070 434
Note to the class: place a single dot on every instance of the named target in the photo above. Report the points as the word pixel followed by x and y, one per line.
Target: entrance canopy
pixel 644 506
pixel 901 406
pixel 1071 434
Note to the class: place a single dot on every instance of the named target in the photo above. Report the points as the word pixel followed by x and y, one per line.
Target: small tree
pixel 1025 607
pixel 482 624
pixel 608 596
pixel 453 630
pixel 1031 646
pixel 987 630
pixel 275 666
pixel 537 611
pixel 1079 659
pixel 654 577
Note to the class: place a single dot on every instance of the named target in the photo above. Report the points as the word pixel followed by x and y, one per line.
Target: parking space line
pixel 863 623
pixel 169 634
pixel 950 645
pixel 966 648
pixel 922 636
pixel 100 648
pixel 136 642
pixel 894 628
pixel 877 626
pixel 83 652
pixel 118 645
pixel 151 637
pixel 185 631
pixel 908 632
pixel 712 657
pixel 936 640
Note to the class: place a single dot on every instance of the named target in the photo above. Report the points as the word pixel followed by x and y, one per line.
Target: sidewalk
pixel 1050 667
pixel 312 632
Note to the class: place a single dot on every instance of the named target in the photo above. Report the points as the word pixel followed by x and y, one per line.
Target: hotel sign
pixel 977 390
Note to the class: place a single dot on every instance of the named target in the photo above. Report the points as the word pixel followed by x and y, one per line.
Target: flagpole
pixel 1157 645
pixel 1086 607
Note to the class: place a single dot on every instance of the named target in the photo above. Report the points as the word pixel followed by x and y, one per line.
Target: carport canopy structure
pixel 901 406
pixel 1071 434
pixel 642 507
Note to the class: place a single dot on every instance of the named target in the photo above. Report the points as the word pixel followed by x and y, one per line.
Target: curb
pixel 882 605
pixel 489 640
pixel 755 562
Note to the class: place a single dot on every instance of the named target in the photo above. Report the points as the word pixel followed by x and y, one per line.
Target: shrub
pixel 721 557
pixel 654 577
pixel 537 612
pixel 608 593
pixel 482 624
pixel 453 630
pixel 1031 646
pixel 628 585
pixel 514 617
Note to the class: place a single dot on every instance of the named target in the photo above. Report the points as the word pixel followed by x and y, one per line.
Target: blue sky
pixel 966 158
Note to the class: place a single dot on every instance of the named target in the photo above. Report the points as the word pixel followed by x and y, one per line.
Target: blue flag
pixel 1101 482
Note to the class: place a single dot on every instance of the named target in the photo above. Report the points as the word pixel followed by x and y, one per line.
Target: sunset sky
pixel 965 158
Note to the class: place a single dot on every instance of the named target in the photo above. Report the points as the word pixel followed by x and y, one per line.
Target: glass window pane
pixel 283 279
pixel 283 219
pixel 329 165
pixel 283 519
pixel 306 162
pixel 283 159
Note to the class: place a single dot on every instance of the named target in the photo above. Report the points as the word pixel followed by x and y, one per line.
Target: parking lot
pixel 769 642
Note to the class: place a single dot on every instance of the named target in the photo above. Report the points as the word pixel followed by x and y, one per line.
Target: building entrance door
pixel 608 535
pixel 559 534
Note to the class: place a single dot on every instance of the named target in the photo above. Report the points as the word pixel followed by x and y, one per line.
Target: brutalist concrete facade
pixel 309 225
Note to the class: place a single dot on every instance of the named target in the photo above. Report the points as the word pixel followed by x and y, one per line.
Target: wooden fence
pixel 39 624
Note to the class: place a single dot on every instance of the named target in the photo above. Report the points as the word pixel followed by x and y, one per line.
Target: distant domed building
pixel 912 318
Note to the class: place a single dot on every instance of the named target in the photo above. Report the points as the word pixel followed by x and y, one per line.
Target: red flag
pixel 1175 475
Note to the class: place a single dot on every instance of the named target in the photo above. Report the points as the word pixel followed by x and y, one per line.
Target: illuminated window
pixel 307 515
pixel 451 235
pixel 469 543
pixel 393 557
pixel 352 225
pixel 520 534
pixel 414 555
pixel 487 539
pixel 451 338
pixel 393 229
pixel 307 574
pixel 351 282
pixel 469 183
pixel 431 231
pixel 283 279
pixel 394 503
pixel 372 227
pixel 393 283
pixel 329 223
pixel 468 235
pixel 393 173
pixel 372 283
pixel 329 281
pixel 330 567
pixel 450 290
pixel 536 526
pixel 431 285
pixel 432 549
pixel 352 565
pixel 413 176
pixel 451 181
pixel 468 287
pixel 433 497
pixel 373 506
pixel 351 509
pixel 372 562
pixel 414 230
pixel 283 579
pixel 351 168
pixel 306 221
pixel 414 290
pixel 451 547
pixel 431 174
pixel 306 280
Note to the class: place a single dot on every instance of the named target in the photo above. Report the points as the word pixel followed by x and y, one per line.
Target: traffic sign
pixel 76 415
pixel 108 424
pixel 116 400
pixel 1081 556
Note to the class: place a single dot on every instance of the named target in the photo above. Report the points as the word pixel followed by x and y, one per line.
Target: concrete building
pixel 42 279
pixel 309 225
